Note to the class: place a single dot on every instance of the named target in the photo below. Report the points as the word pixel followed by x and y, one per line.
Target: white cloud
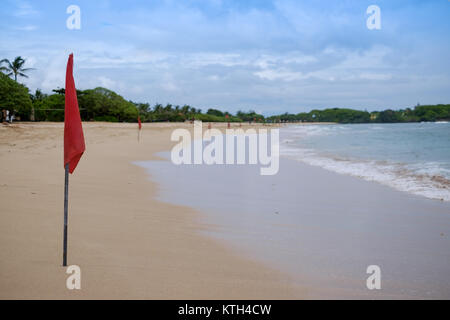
pixel 213 77
pixel 168 83
pixel 376 76
pixel 54 73
pixel 25 9
pixel 27 28
pixel 106 82
pixel 201 59
pixel 279 74
pixel 299 54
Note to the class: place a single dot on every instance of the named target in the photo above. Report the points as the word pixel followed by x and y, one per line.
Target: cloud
pixel 281 55
pixel 53 76
pixel 27 28
pixel 201 59
pixel 279 74
pixel 376 76
pixel 106 82
pixel 168 83
pixel 25 9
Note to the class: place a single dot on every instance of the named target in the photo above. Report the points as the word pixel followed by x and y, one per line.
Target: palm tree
pixel 15 68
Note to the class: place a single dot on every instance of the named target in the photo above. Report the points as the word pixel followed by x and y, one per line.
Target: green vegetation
pixel 419 113
pixel 327 115
pixel 101 104
pixel 14 97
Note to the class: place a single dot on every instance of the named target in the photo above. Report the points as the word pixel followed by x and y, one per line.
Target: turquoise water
pixel 411 157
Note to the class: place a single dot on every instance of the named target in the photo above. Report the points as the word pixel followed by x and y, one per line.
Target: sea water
pixel 411 157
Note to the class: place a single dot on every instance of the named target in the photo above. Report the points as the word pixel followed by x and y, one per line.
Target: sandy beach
pixel 344 194
pixel 128 245
pixel 141 227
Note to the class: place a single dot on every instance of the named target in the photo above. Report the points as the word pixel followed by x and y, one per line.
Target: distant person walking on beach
pixel 9 116
pixel 6 117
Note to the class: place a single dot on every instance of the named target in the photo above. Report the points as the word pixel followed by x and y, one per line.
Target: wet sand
pixel 324 229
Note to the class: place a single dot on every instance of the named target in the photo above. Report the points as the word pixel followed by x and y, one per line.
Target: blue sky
pixel 269 56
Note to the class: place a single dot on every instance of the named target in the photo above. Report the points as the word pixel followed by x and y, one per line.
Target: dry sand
pixel 128 245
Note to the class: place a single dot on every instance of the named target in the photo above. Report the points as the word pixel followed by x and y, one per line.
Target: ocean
pixel 411 157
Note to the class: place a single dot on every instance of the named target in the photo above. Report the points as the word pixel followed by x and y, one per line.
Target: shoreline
pixel 344 222
pixel 128 245
pixel 409 169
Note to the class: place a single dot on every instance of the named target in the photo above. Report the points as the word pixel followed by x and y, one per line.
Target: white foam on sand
pixel 423 179
pixel 428 184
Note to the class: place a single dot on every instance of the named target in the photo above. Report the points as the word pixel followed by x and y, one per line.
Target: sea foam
pixel 335 148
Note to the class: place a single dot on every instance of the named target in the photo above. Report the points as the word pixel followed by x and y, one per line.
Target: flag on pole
pixel 73 131
pixel 139 128
pixel 73 143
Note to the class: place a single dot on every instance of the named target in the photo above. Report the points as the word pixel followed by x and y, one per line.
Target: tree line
pixel 101 104
pixel 419 113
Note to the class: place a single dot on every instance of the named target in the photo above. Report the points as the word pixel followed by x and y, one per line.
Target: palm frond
pixel 19 59
pixel 9 65
pixel 15 67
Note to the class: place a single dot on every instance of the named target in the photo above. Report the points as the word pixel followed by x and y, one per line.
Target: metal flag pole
pixel 66 199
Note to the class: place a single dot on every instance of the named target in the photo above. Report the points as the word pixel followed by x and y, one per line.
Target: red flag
pixel 73 131
pixel 139 123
